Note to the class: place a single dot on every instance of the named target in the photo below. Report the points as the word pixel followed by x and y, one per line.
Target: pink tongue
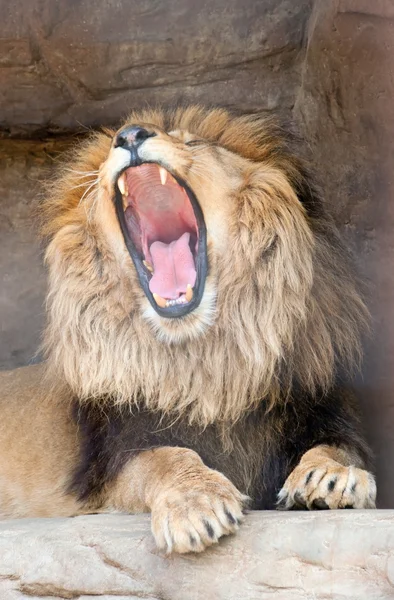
pixel 173 266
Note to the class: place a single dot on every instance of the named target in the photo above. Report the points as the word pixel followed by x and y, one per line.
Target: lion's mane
pixel 287 314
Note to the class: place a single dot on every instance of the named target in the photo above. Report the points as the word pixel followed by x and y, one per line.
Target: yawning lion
pixel 201 317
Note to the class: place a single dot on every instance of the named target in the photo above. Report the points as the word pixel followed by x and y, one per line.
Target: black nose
pixel 132 136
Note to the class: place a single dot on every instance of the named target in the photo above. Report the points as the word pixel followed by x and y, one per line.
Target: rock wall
pixel 66 65
pixel 345 107
pixel 329 63
pixel 23 165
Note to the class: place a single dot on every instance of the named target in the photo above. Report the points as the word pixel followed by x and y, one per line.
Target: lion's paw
pixel 194 514
pixel 327 485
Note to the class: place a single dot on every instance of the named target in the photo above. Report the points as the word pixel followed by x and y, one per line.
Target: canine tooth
pixel 122 184
pixel 147 265
pixel 189 293
pixel 163 175
pixel 162 302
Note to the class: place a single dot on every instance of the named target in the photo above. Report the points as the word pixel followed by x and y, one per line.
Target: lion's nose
pixel 132 136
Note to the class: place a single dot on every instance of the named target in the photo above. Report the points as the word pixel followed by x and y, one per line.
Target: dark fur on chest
pixel 256 454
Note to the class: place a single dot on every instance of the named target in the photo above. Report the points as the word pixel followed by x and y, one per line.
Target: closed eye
pixel 195 142
pixel 200 142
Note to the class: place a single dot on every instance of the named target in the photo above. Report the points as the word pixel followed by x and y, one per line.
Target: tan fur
pixel 296 315
pixel 36 465
pixel 192 506
pixel 328 477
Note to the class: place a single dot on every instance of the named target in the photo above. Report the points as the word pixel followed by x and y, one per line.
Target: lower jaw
pixel 183 300
pixel 169 309
pixel 189 327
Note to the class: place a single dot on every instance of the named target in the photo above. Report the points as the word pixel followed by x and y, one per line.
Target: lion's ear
pixel 270 212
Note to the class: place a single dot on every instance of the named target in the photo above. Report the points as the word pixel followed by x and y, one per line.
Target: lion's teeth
pixel 162 302
pixel 163 175
pixel 122 184
pixel 176 302
pixel 189 293
pixel 148 266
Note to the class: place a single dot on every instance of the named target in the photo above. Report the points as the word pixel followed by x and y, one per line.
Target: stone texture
pixel 342 555
pixel 22 280
pixel 65 64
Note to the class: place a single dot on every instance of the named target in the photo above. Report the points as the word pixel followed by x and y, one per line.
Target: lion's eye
pixel 203 143
pixel 194 142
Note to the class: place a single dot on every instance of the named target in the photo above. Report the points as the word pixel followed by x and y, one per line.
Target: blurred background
pixel 68 65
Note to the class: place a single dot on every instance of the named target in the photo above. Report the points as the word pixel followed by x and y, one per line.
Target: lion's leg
pixel 192 505
pixel 328 477
pixel 38 447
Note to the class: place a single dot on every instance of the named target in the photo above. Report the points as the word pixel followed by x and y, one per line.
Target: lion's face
pixel 191 265
pixel 173 196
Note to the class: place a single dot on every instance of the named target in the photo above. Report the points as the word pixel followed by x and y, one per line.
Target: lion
pixel 202 328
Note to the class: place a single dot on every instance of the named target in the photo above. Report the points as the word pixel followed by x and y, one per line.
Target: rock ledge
pixel 286 556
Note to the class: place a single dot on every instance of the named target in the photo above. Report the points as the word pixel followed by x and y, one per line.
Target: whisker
pixel 94 203
pixel 89 210
pixel 89 189
pixel 84 184
pixel 83 173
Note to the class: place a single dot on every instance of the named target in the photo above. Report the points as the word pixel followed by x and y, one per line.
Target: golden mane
pixel 287 312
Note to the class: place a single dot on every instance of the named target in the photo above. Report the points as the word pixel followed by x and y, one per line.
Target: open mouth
pixel 164 231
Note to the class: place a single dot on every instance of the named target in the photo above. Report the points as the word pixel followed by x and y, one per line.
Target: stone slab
pixel 341 555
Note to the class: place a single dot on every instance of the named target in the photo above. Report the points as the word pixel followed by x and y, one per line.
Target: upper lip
pixel 201 265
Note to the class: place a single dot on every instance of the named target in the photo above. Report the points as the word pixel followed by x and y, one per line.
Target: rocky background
pixel 68 65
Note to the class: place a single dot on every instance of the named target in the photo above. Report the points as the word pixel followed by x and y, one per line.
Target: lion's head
pixel 192 268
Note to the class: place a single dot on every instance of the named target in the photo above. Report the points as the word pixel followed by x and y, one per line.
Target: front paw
pixel 195 513
pixel 327 485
